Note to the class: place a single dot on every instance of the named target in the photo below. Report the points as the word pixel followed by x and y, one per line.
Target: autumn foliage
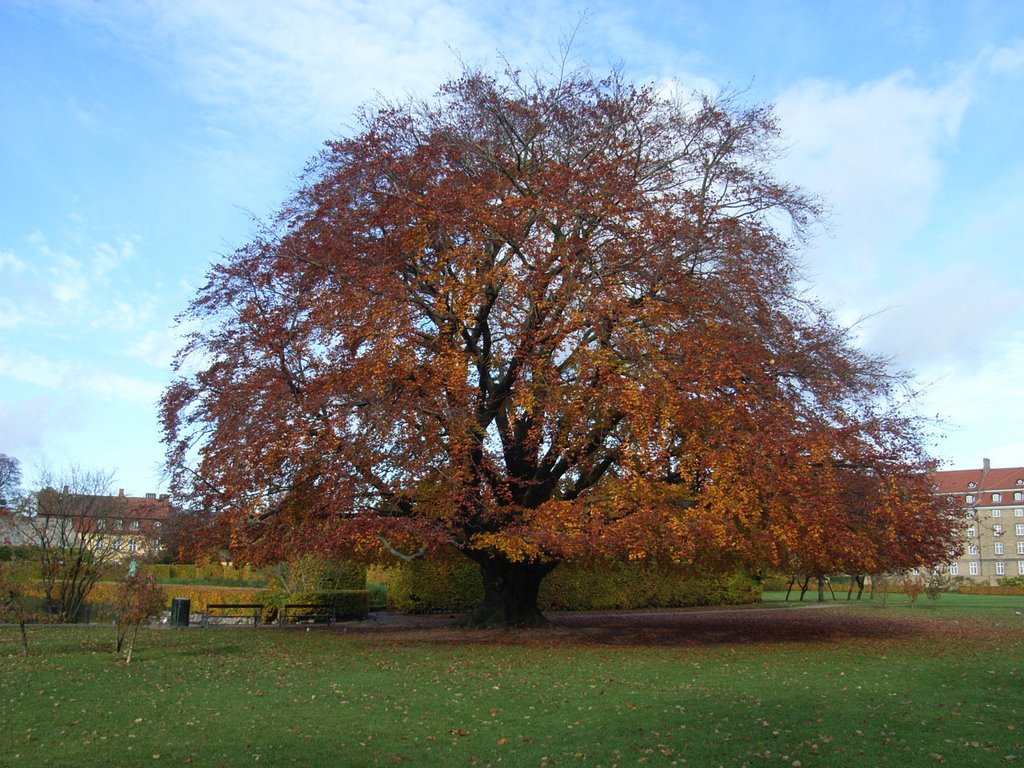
pixel 538 321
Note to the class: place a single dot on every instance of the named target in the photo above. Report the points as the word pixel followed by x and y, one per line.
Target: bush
pixel 180 571
pixel 640 584
pixel 981 589
pixel 450 585
pixel 208 575
pixel 441 585
pixel 200 596
pixel 378 596
pixel 313 573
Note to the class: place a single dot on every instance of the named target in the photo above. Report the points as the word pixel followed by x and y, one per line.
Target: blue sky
pixel 139 138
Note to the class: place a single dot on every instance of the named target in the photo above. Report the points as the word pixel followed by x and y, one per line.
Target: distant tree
pixel 537 321
pixel 73 518
pixel 10 481
pixel 12 598
pixel 913 585
pixel 139 598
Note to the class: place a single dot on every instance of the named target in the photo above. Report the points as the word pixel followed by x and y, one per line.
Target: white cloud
pixel 10 315
pixel 979 404
pixel 157 348
pixel 296 62
pixel 937 321
pixel 71 285
pixel 77 381
pixel 28 425
pixel 874 153
pixel 1007 60
pixel 10 262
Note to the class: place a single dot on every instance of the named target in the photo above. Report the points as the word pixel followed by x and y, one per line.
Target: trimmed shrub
pixel 313 573
pixel 210 575
pixel 640 584
pixel 443 585
pixel 980 589
pixel 200 596
pixel 182 571
pixel 378 596
pixel 450 585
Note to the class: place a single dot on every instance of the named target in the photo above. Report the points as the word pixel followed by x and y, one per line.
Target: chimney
pixel 150 495
pixel 986 465
pixel 120 492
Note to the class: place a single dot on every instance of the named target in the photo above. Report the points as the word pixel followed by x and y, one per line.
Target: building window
pixel 954 569
pixel 997 530
pixel 972 484
pixel 133 525
pixel 1018 513
pixel 973 568
pixel 157 524
pixel 969 498
pixel 1000 568
pixel 133 546
pixel 996 498
pixel 101 525
pixel 999 547
pixel 972 530
pixel 116 545
pixel 997 513
pixel 101 544
pixel 1020 567
pixel 1020 547
pixel 972 549
pixel 1018 495
pixel 1019 529
pixel 118 524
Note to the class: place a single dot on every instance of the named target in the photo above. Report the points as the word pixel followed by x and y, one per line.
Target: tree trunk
pixel 510 592
pixel 131 645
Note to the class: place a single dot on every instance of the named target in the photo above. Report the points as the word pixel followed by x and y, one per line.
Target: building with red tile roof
pixel 992 500
pixel 122 526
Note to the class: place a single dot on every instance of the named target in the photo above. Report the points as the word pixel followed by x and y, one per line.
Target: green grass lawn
pixel 948 605
pixel 951 693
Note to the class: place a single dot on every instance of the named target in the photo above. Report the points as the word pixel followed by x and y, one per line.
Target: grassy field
pixel 939 684
pixel 948 605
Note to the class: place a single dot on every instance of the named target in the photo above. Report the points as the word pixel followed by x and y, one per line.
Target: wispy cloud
pixel 71 285
pixel 78 380
pixel 1007 60
pixel 295 62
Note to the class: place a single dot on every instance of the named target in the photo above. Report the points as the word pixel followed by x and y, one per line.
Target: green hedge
pixel 200 596
pixel 453 586
pixel 980 589
pixel 640 584
pixel 210 572
pixel 429 586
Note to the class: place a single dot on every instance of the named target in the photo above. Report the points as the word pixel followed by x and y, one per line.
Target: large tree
pixel 537 320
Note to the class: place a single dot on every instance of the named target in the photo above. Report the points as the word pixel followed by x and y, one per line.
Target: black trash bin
pixel 180 607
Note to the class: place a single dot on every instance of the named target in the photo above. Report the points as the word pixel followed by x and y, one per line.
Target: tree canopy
pixel 537 320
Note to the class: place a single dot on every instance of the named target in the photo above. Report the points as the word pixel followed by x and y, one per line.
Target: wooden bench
pixel 234 610
pixel 315 612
